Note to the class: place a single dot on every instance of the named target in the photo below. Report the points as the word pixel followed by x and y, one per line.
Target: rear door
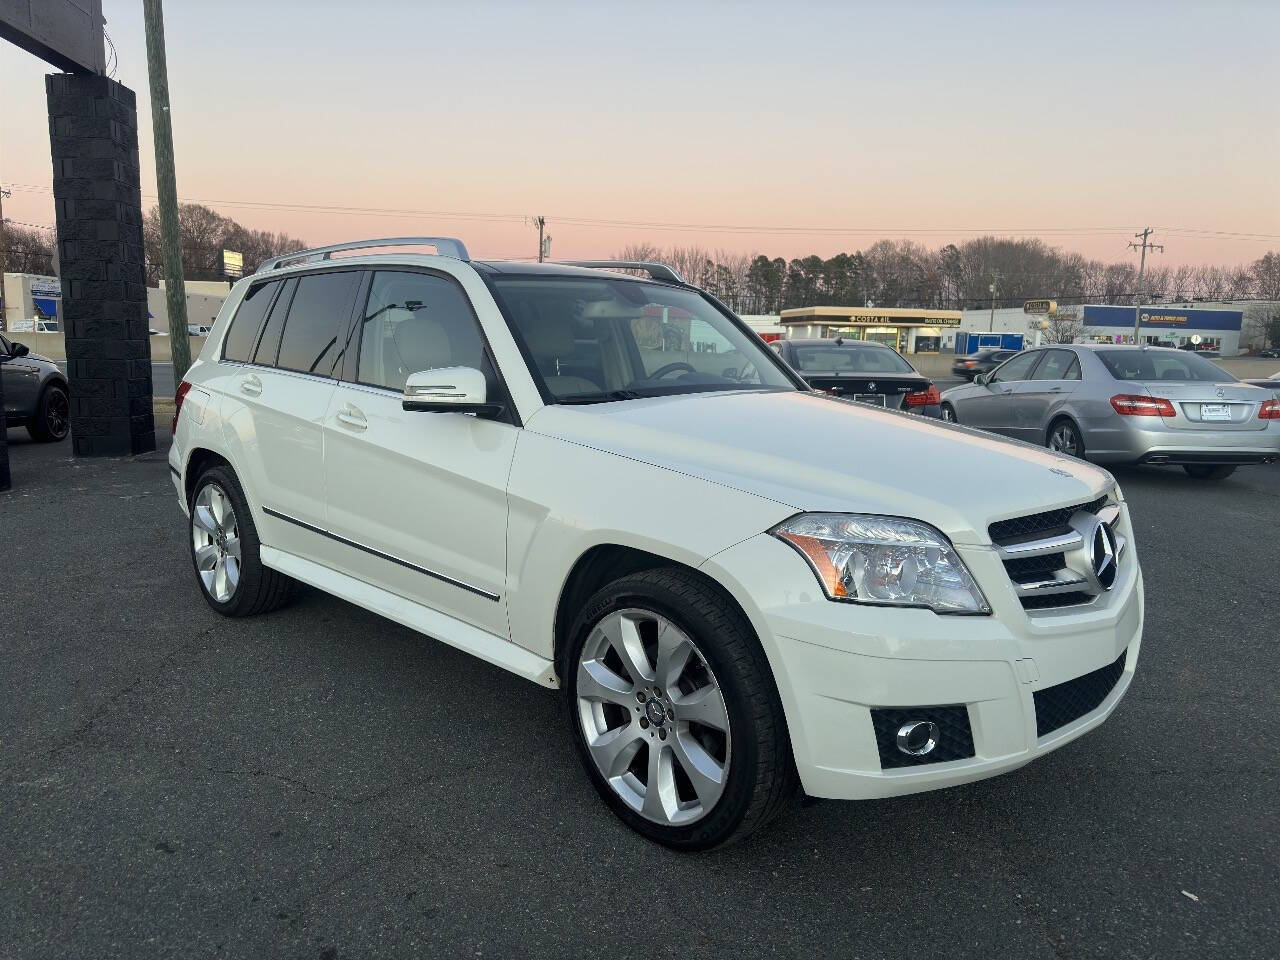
pixel 419 498
pixel 281 396
pixel 1036 399
pixel 992 406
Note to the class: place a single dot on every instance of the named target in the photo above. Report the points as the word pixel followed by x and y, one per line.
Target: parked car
pixel 861 370
pixel 1125 404
pixel 1270 383
pixel 609 485
pixel 983 361
pixel 1270 353
pixel 35 393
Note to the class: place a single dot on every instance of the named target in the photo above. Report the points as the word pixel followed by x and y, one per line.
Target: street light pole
pixel 167 188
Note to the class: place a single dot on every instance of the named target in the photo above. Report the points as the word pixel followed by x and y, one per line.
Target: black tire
pixel 52 420
pixel 948 414
pixel 762 779
pixel 1068 425
pixel 1205 471
pixel 260 589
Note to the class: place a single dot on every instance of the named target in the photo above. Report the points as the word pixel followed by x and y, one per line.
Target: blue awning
pixel 46 305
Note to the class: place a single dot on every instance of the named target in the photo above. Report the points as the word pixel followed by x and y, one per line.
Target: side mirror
pixel 982 379
pixel 18 349
pixel 449 390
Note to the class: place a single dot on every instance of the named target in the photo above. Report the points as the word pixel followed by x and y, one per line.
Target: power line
pixel 341 209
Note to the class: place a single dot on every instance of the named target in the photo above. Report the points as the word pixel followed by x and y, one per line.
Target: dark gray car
pixel 35 393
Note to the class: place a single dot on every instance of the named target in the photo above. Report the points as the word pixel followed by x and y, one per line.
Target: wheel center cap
pixel 655 712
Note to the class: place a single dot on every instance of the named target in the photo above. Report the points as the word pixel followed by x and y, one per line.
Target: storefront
pixel 906 329
pixel 1167 326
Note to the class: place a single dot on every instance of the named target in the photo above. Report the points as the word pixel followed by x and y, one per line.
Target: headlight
pixel 884 560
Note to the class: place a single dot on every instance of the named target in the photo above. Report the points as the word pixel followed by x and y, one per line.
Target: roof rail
pixel 445 246
pixel 657 271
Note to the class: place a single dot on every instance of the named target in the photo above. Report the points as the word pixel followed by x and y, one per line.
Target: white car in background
pixel 609 485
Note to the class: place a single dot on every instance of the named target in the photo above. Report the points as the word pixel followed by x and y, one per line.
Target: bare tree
pixel 28 251
pixel 1063 327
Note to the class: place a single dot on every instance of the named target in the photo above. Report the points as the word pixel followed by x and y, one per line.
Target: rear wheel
pixel 52 420
pixel 225 550
pixel 949 413
pixel 1064 437
pixel 674 711
pixel 1204 471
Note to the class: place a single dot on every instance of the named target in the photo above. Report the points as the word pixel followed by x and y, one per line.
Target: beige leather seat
pixel 550 340
pixel 417 343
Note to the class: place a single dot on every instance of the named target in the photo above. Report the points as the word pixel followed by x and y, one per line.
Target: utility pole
pixel 4 430
pixel 541 223
pixel 995 291
pixel 167 187
pixel 1144 246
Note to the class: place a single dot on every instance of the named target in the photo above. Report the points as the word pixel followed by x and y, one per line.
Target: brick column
pixel 93 132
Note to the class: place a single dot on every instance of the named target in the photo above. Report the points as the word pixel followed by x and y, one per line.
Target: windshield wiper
pixel 607 397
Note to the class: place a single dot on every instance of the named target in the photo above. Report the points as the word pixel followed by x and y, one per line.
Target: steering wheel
pixel 666 368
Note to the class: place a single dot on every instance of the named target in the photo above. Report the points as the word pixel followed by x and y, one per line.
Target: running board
pixel 479 643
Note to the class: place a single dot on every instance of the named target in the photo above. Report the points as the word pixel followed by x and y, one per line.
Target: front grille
pixel 1051 523
pixel 1026 569
pixel 1052 601
pixel 955 737
pixel 1064 703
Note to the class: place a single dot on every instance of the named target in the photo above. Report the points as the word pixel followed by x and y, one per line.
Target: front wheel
pixel 52 420
pixel 674 711
pixel 1204 471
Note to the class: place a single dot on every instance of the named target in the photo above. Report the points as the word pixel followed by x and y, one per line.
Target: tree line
pixel 901 273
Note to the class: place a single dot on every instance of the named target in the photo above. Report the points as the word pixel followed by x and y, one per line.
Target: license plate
pixel 874 398
pixel 1215 412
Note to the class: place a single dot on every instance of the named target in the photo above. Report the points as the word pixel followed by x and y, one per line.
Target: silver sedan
pixel 1125 404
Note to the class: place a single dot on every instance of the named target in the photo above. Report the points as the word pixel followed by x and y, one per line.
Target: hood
pixel 814 453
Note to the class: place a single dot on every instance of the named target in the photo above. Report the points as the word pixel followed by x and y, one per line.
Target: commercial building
pixel 30 302
pixel 906 329
pixel 204 300
pixel 1212 327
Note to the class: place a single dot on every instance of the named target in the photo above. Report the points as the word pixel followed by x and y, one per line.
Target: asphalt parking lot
pixel 322 783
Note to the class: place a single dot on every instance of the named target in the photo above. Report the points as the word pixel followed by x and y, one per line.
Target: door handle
pixel 1055 389
pixel 352 417
pixel 251 385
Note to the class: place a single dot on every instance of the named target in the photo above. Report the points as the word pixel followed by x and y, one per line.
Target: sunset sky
pixel 783 128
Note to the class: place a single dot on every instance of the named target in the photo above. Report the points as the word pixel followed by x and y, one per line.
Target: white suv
pixel 606 483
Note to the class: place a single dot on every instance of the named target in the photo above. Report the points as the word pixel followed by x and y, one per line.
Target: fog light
pixel 917 738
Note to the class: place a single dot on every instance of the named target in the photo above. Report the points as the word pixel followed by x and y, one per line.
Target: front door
pixel 993 406
pixel 420 498
pixel 21 382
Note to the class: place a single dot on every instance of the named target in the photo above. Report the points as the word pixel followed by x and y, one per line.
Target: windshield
pixel 1175 365
pixel 846 358
pixel 593 340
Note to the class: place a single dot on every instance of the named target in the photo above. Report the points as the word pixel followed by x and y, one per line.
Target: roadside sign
pixel 232 263
pixel 1196 338
pixel 1040 307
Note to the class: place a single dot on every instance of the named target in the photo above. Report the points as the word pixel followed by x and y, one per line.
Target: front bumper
pixel 835 663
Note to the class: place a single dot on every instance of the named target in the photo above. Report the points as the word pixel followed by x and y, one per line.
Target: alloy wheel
pixel 215 540
pixel 57 415
pixel 1064 440
pixel 653 717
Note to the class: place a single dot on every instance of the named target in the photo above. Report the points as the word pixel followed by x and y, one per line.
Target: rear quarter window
pixel 247 321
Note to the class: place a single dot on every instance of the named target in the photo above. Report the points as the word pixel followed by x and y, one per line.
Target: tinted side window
pixel 243 334
pixel 1017 368
pixel 319 310
pixel 1057 366
pixel 269 342
pixel 414 322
